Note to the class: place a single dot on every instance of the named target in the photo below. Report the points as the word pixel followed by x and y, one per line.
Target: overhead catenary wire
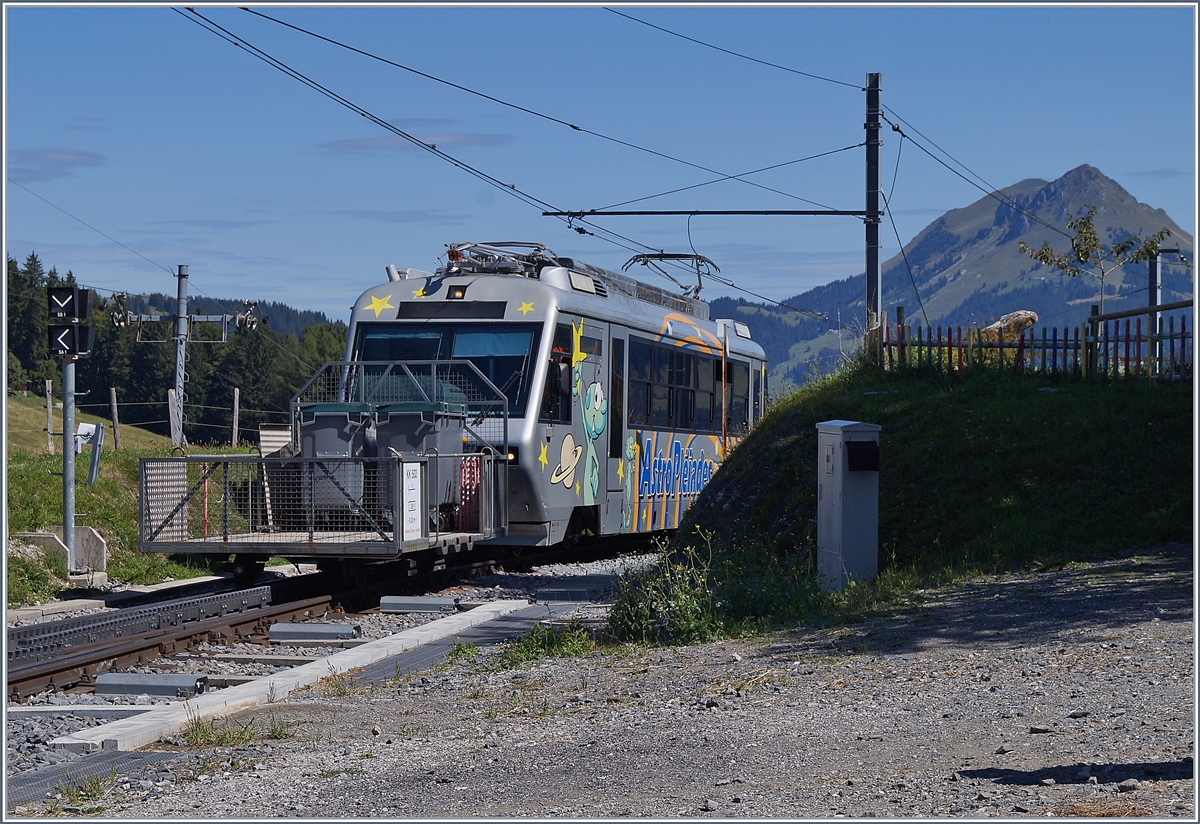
pixel 605 234
pixel 991 191
pixel 93 228
pixel 739 177
pixel 507 188
pixel 857 86
pixel 258 53
pixel 534 112
pixel 887 203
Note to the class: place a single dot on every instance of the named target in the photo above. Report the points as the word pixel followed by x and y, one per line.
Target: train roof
pixel 529 259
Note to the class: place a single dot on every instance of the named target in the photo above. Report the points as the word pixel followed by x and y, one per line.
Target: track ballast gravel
pixel 1069 692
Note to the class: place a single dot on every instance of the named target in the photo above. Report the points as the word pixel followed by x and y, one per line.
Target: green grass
pixel 978 474
pixel 31 581
pixel 35 501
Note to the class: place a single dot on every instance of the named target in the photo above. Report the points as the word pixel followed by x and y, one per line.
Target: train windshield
pixel 504 353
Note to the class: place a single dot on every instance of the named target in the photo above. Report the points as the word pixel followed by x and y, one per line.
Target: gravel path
pixel 1069 692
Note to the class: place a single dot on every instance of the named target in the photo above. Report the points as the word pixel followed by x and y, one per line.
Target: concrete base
pixel 88 580
pixel 133 733
pixel 91 550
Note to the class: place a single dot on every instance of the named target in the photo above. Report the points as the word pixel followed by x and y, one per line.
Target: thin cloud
pixel 86 124
pixel 394 143
pixel 920 212
pixel 408 217
pixel 1161 173
pixel 49 163
pixel 214 224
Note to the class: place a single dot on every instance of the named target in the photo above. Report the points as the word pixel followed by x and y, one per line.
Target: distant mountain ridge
pixel 968 269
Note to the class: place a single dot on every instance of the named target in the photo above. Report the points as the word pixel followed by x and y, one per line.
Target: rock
pixel 1128 785
pixel 1010 325
pixel 1078 714
pixel 1035 730
pixel 1004 749
pixel 709 805
pixel 1048 782
pixel 376 730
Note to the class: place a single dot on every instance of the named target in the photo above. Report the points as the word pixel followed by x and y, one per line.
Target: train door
pixel 590 396
pixel 616 412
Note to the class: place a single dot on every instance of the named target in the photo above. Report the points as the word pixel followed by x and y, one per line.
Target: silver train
pixel 615 387
pixel 512 398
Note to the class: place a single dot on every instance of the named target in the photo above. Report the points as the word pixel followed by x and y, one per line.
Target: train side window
pixel 704 411
pixel 705 375
pixel 739 409
pixel 660 405
pixel 756 391
pixel 662 365
pixel 683 408
pixel 616 401
pixel 639 403
pixel 639 360
pixel 556 408
pixel 683 367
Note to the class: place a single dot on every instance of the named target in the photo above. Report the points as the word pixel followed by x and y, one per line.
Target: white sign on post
pixel 411 501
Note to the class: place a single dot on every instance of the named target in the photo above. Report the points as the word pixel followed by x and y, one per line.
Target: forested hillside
pixel 279 316
pixel 266 365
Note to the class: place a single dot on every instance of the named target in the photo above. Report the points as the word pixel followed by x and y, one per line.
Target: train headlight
pixel 456 293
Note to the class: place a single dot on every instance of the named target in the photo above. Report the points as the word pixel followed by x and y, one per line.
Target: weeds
pixel 92 789
pixel 673 601
pixel 544 641
pixel 205 732
pixel 463 652
pixel 340 684
pixel 277 727
pixel 343 771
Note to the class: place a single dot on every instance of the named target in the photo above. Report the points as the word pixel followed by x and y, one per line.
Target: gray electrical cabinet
pixel 847 503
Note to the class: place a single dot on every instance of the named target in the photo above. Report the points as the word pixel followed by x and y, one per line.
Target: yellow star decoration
pixel 542 459
pixel 621 470
pixel 525 308
pixel 577 488
pixel 419 293
pixel 578 356
pixel 379 304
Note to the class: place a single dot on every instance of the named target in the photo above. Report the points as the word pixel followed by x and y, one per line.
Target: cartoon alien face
pixel 595 410
pixel 630 448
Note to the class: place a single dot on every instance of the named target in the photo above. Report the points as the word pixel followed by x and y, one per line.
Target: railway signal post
pixel 70 338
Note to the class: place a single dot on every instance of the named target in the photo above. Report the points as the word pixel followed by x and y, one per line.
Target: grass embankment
pixel 35 502
pixel 978 474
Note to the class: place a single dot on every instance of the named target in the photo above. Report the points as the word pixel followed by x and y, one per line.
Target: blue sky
pixel 188 150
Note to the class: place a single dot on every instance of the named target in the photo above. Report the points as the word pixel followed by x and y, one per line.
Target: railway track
pixel 68 654
pixel 72 660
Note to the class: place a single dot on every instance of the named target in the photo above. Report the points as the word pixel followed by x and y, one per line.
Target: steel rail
pixel 78 666
pixel 31 643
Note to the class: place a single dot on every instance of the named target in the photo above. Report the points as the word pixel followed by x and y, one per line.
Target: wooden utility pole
pixel 112 407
